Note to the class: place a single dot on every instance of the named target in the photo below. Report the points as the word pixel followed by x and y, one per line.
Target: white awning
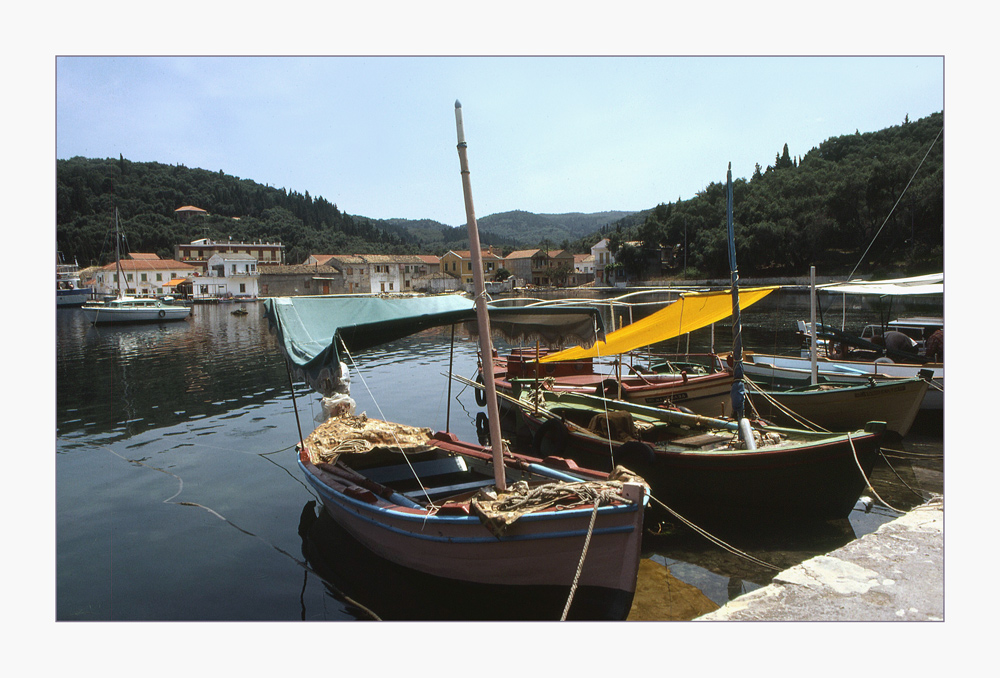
pixel 923 284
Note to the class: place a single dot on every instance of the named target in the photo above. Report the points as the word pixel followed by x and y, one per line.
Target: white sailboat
pixel 125 309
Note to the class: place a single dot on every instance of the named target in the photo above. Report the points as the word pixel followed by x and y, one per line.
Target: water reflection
pixel 208 401
pixel 372 588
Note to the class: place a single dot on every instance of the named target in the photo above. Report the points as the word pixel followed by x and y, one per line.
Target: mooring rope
pixel 923 496
pixel 868 483
pixel 905 454
pixel 795 416
pixel 715 540
pixel 583 556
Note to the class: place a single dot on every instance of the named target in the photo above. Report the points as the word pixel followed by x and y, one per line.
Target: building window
pixel 243 288
pixel 390 287
pixel 159 277
pixel 128 277
pixel 142 277
pixel 234 269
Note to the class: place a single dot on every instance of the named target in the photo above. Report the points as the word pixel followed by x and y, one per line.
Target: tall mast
pixel 118 256
pixel 482 314
pixel 737 394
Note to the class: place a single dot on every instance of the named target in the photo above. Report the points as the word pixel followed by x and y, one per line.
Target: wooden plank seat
pixel 701 441
pixel 446 490
pixel 423 469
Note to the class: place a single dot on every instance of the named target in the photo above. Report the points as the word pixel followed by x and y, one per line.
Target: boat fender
pixel 550 439
pixel 635 455
pixel 162 313
pixel 747 434
pixel 480 392
pixel 482 425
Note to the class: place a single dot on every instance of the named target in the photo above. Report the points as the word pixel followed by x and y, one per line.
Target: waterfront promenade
pixel 893 574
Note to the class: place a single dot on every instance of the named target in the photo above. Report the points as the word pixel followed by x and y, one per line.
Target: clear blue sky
pixel 376 135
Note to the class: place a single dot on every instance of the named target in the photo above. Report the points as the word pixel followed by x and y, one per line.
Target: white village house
pixel 146 275
pixel 228 275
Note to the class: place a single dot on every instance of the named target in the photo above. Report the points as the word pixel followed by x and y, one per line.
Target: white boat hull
pixel 74 297
pixel 101 315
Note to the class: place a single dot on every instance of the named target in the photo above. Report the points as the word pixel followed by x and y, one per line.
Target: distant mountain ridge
pixel 516 229
pixel 840 206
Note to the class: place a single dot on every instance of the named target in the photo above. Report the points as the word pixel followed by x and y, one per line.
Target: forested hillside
pixel 824 208
pixel 147 193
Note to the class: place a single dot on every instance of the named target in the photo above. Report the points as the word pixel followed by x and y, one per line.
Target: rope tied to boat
pixel 868 482
pixel 604 495
pixel 715 540
pixel 778 406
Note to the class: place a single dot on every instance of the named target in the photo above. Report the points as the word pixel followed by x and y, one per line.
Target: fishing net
pixel 499 510
pixel 357 433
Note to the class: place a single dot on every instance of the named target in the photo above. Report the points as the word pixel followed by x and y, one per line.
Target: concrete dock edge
pixel 893 574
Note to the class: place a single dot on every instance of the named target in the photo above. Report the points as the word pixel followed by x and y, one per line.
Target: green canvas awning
pixel 312 330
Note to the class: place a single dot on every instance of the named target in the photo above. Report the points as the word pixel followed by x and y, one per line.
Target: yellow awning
pixel 689 313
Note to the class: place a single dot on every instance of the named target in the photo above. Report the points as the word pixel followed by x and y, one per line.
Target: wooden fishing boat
pixel 698 388
pixel 713 472
pixel 781 372
pixel 838 406
pixel 699 467
pixel 839 356
pixel 702 389
pixel 527 541
pixel 453 510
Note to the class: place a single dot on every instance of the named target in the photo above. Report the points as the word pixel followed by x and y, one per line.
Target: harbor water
pixel 178 497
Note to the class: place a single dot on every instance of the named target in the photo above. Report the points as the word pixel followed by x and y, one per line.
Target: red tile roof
pixel 151 265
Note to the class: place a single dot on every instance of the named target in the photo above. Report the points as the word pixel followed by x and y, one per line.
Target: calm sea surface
pixel 178 496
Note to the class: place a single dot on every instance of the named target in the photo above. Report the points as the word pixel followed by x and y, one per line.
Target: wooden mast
pixel 737 394
pixel 482 314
